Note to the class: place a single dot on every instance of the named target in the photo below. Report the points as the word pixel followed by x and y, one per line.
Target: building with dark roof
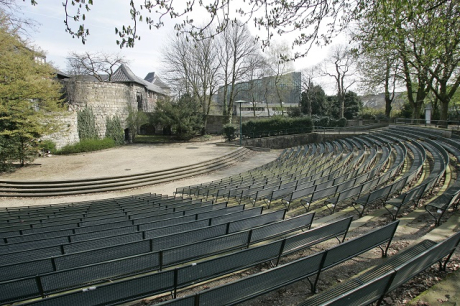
pixel 108 99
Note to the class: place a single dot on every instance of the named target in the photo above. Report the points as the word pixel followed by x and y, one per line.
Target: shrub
pixel 342 122
pixel 86 124
pixel 229 132
pixel 114 130
pixel 294 112
pixel 277 126
pixel 88 145
pixel 47 146
pixel 323 122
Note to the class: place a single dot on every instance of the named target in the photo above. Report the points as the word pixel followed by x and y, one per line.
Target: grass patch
pixel 88 145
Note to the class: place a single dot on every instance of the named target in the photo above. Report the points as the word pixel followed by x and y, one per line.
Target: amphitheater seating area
pixel 228 241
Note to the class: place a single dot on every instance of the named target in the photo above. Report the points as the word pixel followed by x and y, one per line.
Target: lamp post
pixel 241 125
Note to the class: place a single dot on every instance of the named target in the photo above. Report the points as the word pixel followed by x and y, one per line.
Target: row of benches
pixel 300 269
pixel 80 268
pixel 181 277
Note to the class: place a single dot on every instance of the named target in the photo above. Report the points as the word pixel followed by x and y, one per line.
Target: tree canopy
pixel 421 36
pixel 29 96
pixel 182 116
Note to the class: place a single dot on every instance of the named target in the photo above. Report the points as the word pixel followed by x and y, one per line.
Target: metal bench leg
pixel 437 220
pixel 360 212
pixel 305 205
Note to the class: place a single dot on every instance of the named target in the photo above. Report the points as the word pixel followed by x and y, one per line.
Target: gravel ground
pixel 129 159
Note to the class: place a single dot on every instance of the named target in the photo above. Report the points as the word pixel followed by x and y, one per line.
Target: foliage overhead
pixel 318 20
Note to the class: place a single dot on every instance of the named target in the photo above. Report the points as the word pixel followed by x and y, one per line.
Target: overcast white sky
pixel 104 16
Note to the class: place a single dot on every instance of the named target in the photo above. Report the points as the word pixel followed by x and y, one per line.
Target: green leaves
pixel 29 98
pixel 86 124
pixel 183 116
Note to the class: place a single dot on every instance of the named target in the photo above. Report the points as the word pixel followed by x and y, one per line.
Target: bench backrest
pixel 301 193
pixel 424 260
pixel 324 193
pixel 346 194
pixel 360 245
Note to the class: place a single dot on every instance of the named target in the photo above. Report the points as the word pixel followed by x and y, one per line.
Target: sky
pixel 50 36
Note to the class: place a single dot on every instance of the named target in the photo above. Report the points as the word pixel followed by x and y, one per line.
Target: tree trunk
pixel 416 111
pixel 387 105
pixel 444 112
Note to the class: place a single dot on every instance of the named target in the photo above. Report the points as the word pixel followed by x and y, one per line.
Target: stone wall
pixel 105 99
pixel 68 133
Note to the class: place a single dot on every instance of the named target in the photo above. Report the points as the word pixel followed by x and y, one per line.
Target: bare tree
pixel 99 65
pixel 12 17
pixel 279 67
pixel 236 47
pixel 379 70
pixel 192 68
pixel 254 85
pixel 207 68
pixel 340 66
pixel 308 75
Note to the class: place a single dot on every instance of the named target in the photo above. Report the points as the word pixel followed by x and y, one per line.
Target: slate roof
pixel 150 77
pixel 124 75
pixel 154 79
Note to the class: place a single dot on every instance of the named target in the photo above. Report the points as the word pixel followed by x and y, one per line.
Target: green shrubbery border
pixel 88 145
pixel 277 126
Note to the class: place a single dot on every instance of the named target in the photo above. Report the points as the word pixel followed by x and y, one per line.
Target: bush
pixel 229 132
pixel 86 124
pixel 277 126
pixel 88 145
pixel 114 130
pixel 294 112
pixel 342 122
pixel 323 122
pixel 47 146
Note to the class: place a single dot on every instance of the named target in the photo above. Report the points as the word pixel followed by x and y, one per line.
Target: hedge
pixel 277 126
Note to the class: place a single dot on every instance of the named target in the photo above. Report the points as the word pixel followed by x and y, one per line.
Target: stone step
pixel 74 187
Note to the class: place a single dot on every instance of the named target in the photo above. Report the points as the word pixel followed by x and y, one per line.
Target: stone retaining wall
pixel 69 131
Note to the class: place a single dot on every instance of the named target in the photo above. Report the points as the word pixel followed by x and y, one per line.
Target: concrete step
pixel 103 184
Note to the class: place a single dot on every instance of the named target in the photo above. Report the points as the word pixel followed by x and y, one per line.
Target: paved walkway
pixel 126 160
